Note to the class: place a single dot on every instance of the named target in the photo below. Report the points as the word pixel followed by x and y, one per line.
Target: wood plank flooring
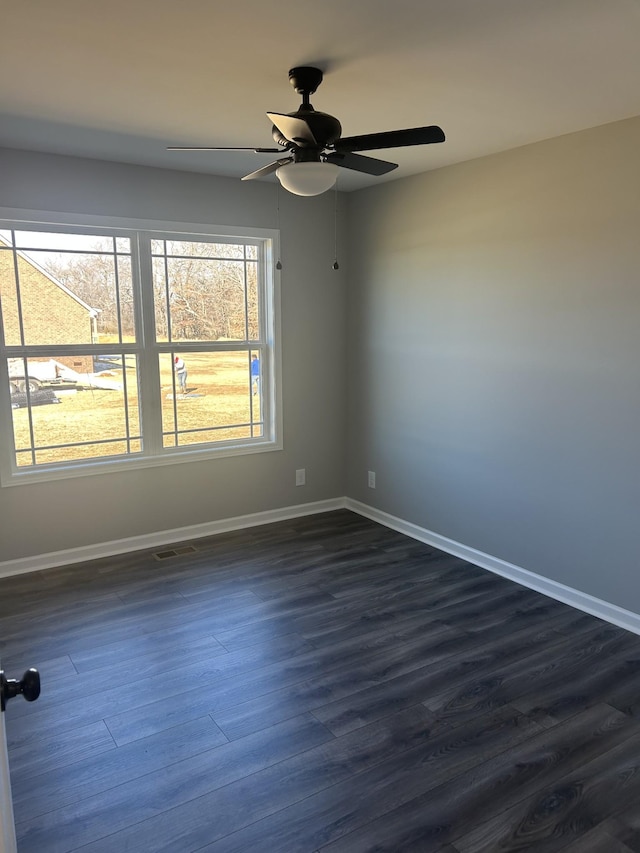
pixel 321 684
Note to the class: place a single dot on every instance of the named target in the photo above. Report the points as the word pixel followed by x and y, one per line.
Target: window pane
pixel 66 242
pixel 209 249
pixel 215 401
pixel 200 298
pixel 9 297
pixel 66 297
pixel 61 413
pixel 252 302
pixel 125 300
pixel 78 452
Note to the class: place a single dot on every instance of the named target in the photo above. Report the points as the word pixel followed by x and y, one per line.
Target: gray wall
pixel 42 518
pixel 494 352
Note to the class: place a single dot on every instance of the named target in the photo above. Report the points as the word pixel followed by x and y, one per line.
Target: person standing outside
pixel 255 374
pixel 181 372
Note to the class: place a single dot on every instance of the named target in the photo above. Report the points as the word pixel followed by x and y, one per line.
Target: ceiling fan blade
pixel 267 170
pixel 368 165
pixel 391 139
pixel 226 148
pixel 294 129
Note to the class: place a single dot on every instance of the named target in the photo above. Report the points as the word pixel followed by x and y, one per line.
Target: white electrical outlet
pixel 301 476
pixel 371 479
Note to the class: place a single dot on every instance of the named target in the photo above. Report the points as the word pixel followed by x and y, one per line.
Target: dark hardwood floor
pixel 317 684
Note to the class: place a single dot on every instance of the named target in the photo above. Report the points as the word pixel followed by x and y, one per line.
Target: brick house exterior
pixel 51 313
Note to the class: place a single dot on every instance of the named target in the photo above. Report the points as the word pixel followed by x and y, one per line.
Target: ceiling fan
pixel 314 147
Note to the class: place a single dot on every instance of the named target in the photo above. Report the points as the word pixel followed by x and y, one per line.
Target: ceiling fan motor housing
pixel 324 127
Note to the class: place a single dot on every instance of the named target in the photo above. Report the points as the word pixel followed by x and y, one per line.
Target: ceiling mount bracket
pixel 305 79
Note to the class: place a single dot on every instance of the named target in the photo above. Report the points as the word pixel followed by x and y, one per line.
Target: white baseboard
pixel 162 538
pixel 568 595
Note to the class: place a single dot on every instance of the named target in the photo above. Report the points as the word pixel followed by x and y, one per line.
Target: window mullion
pixel 264 329
pixel 269 319
pixel 148 362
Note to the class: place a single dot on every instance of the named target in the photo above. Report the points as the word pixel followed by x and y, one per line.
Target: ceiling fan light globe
pixel 308 178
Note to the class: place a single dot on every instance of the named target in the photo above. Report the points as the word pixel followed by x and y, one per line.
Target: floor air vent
pixel 175 552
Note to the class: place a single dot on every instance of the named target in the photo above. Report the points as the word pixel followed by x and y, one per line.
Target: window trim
pixel 11 474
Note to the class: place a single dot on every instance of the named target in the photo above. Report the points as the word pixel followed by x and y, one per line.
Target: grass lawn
pixel 218 403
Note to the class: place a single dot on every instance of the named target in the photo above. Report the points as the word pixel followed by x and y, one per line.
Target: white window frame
pixel 153 453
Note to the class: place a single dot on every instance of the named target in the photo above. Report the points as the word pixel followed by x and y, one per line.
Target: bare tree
pixel 207 298
pixel 200 292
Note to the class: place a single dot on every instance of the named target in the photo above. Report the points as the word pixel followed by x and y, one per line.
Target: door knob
pixel 29 686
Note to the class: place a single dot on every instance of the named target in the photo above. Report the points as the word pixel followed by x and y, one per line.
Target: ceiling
pixel 121 81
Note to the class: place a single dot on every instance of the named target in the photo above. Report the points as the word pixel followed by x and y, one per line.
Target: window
pixel 129 347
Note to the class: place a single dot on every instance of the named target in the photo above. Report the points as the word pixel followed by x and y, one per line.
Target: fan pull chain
pixel 278 262
pixel 336 265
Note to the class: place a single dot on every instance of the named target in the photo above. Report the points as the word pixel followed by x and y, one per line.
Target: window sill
pixel 93 467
